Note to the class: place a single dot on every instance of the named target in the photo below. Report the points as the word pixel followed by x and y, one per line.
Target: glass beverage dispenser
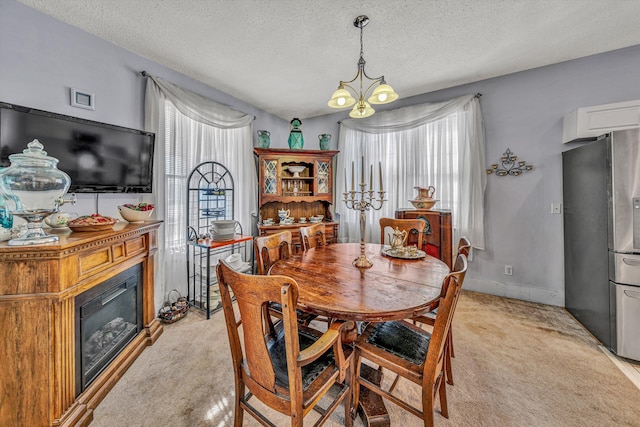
pixel 35 186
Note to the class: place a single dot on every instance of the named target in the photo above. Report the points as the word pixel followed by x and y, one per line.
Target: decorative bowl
pixel 133 215
pixel 423 203
pixel 295 170
pixel 234 260
pixel 60 219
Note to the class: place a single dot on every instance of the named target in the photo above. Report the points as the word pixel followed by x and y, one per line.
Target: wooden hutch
pixel 437 239
pixel 308 194
pixel 39 290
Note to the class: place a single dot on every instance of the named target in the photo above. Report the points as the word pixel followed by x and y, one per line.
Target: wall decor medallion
pixel 509 165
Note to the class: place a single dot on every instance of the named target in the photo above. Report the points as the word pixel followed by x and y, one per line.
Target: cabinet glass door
pixel 323 177
pixel 270 176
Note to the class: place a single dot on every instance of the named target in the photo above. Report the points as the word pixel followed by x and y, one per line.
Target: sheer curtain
pixel 191 129
pixel 439 144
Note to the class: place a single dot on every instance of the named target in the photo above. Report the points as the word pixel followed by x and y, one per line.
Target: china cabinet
pixel 437 239
pixel 297 181
pixel 210 198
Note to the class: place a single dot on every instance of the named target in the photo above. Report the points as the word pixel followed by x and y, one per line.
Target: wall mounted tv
pixel 99 158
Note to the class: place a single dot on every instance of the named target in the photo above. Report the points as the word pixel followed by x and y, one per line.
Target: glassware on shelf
pixel 35 187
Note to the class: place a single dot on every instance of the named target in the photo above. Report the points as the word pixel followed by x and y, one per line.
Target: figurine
pixel 296 140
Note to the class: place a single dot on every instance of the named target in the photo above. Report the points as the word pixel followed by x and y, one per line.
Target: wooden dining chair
pixel 289 367
pixel 464 246
pixel 413 353
pixel 312 236
pixel 269 249
pixel 408 225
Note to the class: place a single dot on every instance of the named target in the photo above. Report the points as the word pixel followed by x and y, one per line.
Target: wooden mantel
pixel 38 285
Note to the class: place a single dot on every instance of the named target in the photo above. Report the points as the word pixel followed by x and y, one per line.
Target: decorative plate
pixel 416 255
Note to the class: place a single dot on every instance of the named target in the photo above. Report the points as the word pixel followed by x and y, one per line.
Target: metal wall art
pixel 509 165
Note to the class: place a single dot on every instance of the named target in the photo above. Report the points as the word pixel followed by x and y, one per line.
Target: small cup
pixel 303 219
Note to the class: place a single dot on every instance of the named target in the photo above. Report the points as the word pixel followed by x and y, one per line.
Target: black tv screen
pixel 99 158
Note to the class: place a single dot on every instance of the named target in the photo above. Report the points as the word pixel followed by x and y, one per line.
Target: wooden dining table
pixel 392 289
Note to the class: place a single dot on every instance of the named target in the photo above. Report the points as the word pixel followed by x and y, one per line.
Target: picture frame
pixel 83 99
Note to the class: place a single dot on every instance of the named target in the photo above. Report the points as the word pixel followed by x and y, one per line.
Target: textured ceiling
pixel 287 57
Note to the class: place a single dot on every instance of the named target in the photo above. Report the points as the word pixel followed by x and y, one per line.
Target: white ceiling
pixel 287 57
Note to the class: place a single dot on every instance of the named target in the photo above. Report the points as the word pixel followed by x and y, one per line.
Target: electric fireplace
pixel 107 318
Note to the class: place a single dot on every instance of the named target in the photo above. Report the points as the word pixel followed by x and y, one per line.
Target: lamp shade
pixel 383 94
pixel 362 110
pixel 341 98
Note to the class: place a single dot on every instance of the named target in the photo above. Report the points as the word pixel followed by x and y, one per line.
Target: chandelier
pixel 382 94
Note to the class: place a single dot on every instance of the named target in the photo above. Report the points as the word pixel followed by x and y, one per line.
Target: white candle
pixel 380 167
pixel 345 180
pixel 362 170
pixel 351 176
pixel 371 178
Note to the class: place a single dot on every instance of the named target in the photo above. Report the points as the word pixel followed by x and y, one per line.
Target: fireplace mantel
pixel 38 285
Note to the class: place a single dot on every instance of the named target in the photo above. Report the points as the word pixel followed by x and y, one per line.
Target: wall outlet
pixel 556 208
pixel 508 270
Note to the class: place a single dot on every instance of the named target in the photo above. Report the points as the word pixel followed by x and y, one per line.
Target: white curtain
pixel 439 144
pixel 191 129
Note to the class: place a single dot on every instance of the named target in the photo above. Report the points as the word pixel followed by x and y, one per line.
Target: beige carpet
pixel 516 364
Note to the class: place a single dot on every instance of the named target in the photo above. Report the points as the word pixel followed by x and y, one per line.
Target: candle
pixel 362 170
pixel 351 176
pixel 371 178
pixel 380 167
pixel 345 180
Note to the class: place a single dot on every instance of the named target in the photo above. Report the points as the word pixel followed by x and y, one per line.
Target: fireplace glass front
pixel 107 318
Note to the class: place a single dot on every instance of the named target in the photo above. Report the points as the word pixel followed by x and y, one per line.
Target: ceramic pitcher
pixel 398 239
pixel 264 139
pixel 325 141
pixel 283 213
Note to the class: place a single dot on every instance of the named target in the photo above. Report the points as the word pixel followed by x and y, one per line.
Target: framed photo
pixel 83 99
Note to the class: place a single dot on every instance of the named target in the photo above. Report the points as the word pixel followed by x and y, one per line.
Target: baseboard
pixel 625 367
pixel 516 291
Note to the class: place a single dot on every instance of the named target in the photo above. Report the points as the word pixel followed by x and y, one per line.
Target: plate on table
pixel 386 250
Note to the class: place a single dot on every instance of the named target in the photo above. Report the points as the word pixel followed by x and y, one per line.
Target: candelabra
pixel 363 201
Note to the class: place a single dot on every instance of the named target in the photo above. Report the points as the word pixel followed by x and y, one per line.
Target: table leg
pixel 371 408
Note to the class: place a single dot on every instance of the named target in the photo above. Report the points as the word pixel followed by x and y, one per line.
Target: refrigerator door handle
pixel 632 294
pixel 631 261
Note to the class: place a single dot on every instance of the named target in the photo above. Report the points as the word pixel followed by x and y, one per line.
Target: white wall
pixel 41 58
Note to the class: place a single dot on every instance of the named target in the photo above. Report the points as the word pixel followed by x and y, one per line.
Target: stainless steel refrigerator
pixel 601 187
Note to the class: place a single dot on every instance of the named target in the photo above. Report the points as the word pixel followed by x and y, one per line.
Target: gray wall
pixel 40 59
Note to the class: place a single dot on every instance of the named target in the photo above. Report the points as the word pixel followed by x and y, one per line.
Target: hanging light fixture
pixel 382 94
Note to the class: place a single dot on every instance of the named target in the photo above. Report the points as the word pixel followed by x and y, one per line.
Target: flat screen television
pixel 99 157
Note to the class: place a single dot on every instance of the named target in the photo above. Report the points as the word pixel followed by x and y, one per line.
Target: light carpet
pixel 517 364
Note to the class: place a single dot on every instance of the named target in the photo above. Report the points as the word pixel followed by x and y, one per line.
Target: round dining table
pixel 392 289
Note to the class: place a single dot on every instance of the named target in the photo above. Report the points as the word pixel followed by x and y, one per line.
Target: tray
pixel 92 227
pixel 387 251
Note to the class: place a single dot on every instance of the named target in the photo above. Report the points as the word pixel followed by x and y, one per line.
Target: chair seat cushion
pixel 399 339
pixel 309 372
